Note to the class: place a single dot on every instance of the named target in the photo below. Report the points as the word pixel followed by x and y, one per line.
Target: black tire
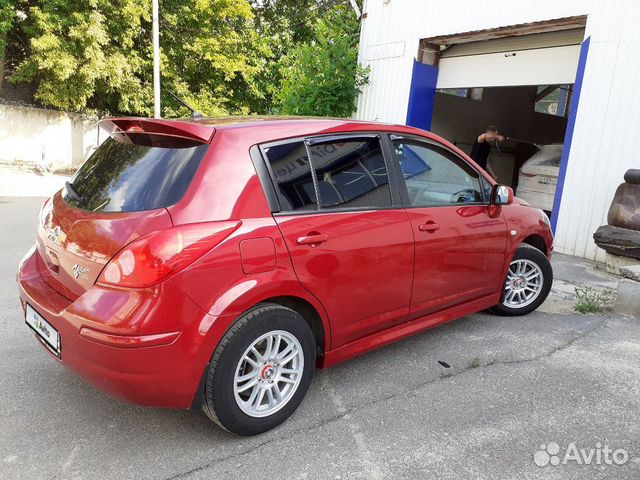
pixel 219 401
pixel 527 252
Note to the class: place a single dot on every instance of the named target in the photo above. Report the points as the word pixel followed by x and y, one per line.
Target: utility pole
pixel 157 110
pixel 356 9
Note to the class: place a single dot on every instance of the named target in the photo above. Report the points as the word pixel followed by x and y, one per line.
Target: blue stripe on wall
pixel 422 95
pixel 575 99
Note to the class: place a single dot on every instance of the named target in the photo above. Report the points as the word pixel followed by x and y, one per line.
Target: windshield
pixel 125 176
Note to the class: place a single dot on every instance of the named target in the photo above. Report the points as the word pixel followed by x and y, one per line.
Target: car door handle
pixel 312 239
pixel 429 227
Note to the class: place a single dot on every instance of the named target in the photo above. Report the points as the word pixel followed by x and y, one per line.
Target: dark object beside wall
pixel 632 176
pixel 618 241
pixel 622 235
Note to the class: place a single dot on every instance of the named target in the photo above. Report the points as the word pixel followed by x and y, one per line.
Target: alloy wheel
pixel 268 373
pixel 523 285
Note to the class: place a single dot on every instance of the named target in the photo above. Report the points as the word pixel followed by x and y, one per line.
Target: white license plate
pixel 43 329
pixel 548 180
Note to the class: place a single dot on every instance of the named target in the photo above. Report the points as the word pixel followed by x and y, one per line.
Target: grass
pixel 591 300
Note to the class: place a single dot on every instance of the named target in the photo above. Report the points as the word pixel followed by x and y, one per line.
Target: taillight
pixel 158 255
pixel 45 210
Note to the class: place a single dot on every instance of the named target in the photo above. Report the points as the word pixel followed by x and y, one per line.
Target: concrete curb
pixel 628 301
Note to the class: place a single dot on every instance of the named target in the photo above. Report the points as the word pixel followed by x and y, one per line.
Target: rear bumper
pixel 141 345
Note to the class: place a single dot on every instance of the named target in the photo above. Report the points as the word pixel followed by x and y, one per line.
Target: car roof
pixel 262 128
pixel 295 125
pixel 259 121
pixel 256 120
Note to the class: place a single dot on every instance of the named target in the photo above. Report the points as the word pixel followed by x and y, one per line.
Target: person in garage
pixel 482 148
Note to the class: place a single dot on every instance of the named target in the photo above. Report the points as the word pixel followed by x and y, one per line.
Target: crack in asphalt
pixel 553 351
pixel 347 413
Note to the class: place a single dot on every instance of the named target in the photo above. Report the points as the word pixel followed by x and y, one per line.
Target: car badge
pixel 80 271
pixel 54 234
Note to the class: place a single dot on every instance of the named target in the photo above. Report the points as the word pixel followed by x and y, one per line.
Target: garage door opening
pixel 534 120
pixel 519 78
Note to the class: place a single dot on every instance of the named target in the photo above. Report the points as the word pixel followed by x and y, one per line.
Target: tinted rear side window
pixel 123 176
pixel 349 174
pixel 290 167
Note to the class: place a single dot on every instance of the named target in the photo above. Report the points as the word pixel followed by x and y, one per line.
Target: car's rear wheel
pixel 528 282
pixel 260 371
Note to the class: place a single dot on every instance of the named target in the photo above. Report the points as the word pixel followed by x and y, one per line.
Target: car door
pixel 460 240
pixel 350 239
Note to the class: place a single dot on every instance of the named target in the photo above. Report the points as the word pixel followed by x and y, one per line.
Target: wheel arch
pixel 537 241
pixel 287 293
pixel 309 308
pixel 309 313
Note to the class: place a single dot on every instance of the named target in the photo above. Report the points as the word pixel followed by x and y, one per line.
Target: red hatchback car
pixel 214 263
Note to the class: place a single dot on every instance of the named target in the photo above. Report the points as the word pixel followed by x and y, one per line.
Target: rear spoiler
pixel 157 126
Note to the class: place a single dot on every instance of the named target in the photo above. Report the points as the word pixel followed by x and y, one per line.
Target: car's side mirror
pixel 501 195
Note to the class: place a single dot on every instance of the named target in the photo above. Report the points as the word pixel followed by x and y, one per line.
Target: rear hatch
pixel 540 172
pixel 119 194
pixel 545 162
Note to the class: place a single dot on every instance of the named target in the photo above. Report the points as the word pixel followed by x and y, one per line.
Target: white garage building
pixel 545 72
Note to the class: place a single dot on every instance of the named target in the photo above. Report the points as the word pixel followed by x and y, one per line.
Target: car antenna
pixel 194 113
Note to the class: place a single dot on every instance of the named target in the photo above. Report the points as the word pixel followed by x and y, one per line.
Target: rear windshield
pixel 132 174
pixel 550 162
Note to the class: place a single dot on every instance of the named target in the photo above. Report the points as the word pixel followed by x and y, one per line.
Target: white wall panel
pixel 605 141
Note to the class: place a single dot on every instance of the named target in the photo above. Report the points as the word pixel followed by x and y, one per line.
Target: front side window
pixel 435 177
pixel 486 188
pixel 348 174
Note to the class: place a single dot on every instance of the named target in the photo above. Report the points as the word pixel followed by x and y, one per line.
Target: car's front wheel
pixel 260 371
pixel 528 282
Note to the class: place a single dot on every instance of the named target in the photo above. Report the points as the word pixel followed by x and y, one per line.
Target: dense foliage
pixel 322 77
pixel 221 56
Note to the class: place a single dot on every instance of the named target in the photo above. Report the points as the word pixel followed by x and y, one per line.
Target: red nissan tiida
pixel 215 263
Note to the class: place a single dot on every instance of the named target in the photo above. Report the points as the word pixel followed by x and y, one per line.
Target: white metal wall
pixel 605 141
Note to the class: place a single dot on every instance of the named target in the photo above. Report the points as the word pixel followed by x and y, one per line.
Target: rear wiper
pixel 72 192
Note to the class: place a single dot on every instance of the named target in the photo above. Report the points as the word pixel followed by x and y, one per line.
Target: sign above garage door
pixel 537 59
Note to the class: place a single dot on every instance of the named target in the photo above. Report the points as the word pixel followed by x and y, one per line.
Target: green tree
pixel 96 55
pixel 7 14
pixel 220 56
pixel 322 77
pixel 281 25
pixel 209 52
pixel 80 54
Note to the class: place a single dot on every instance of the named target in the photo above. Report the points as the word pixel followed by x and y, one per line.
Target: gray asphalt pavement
pixel 514 384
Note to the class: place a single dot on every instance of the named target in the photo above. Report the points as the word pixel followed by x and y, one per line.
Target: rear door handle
pixel 429 227
pixel 312 239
